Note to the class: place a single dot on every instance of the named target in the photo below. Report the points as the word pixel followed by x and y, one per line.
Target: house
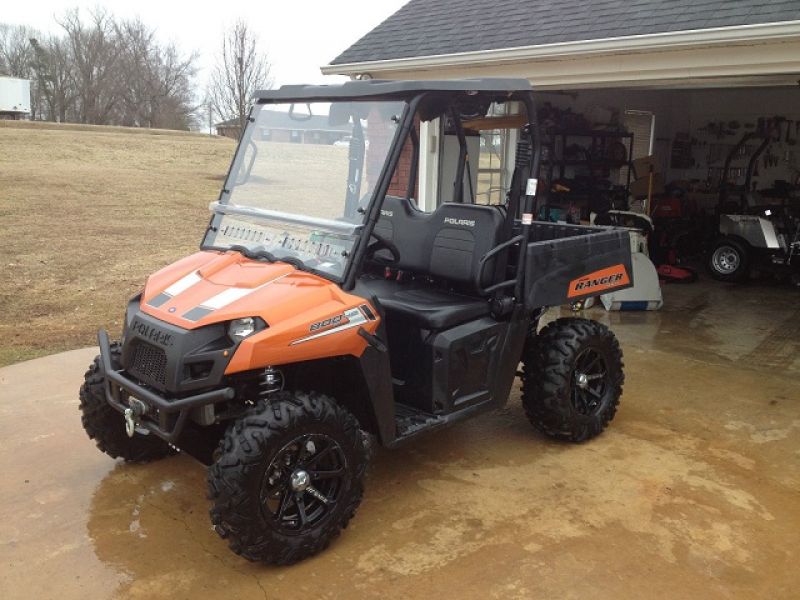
pixel 585 44
pixel 229 128
pixel 278 126
pixel 682 81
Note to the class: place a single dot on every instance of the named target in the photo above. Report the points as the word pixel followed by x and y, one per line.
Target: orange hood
pixel 210 287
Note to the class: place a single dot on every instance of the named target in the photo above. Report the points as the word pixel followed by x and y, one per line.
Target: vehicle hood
pixel 210 287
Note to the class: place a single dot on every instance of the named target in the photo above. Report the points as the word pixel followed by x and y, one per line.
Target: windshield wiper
pixel 259 254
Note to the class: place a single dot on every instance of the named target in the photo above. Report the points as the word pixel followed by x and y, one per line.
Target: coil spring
pixel 271 381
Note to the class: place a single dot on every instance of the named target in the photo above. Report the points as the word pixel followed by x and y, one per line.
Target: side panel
pixel 558 271
pixel 464 364
pixel 468 365
pixel 757 231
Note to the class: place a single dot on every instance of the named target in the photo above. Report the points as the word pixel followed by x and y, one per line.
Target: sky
pixel 298 36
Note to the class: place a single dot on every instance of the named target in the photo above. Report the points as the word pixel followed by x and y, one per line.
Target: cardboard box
pixel 640 186
pixel 643 166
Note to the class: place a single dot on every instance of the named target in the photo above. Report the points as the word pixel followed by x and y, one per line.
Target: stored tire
pixel 288 478
pixel 729 260
pixel 572 379
pixel 107 427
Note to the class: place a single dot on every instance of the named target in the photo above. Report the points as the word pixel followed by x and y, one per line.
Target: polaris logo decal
pixel 151 334
pixel 599 281
pixel 463 222
pixel 332 322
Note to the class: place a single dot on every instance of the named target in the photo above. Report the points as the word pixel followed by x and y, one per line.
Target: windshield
pixel 301 180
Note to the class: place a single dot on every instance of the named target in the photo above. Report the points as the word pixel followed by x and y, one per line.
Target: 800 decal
pixel 331 322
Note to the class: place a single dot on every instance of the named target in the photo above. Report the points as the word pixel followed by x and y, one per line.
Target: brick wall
pixel 399 183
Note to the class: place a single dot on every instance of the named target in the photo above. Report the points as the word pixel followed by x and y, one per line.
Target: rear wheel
pixel 288 478
pixel 107 427
pixel 572 379
pixel 729 261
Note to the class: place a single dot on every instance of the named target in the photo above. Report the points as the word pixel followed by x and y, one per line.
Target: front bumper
pixel 165 417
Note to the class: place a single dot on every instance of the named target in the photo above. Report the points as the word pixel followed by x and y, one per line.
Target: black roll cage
pixel 401 91
pixel 766 138
pixel 406 131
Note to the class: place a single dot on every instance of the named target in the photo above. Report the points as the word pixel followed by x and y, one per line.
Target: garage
pixel 681 113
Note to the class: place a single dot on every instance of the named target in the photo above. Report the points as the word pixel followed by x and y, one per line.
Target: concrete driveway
pixel 692 492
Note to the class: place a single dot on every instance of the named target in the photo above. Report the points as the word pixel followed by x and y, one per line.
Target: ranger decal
pixel 599 281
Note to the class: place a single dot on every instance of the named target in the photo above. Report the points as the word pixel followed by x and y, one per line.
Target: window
pixel 642 125
pixel 496 148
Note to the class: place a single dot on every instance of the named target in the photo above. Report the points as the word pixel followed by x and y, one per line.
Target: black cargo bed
pixel 565 263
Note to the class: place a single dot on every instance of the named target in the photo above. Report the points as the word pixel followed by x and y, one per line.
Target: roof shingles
pixel 433 27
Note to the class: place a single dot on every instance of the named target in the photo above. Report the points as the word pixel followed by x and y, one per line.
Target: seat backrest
pixel 406 227
pixel 447 243
pixel 461 235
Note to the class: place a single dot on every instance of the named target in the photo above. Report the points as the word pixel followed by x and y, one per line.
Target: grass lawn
pixel 87 213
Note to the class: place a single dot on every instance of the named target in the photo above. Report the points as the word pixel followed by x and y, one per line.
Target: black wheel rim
pixel 589 382
pixel 302 484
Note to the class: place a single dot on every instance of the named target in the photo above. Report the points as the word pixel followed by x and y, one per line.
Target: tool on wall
pixel 790 140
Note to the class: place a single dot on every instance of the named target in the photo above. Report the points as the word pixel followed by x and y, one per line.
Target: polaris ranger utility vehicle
pixel 323 311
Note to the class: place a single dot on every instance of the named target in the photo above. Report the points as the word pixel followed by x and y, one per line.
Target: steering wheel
pixel 381 243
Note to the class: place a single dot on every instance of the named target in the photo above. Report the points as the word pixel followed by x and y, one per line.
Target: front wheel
pixel 572 379
pixel 288 477
pixel 107 427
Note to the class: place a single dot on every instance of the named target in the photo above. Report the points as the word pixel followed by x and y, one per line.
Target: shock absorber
pixel 271 381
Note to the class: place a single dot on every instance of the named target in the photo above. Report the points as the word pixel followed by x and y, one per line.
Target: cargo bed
pixel 565 263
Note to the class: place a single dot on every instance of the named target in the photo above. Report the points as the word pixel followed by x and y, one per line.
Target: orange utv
pixel 326 309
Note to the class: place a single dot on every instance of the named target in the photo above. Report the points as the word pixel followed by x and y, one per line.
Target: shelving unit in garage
pixel 606 150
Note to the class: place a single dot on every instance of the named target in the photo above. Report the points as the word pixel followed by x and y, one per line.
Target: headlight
pixel 241 328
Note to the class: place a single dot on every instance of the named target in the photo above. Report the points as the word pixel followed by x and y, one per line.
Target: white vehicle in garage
pixel 752 231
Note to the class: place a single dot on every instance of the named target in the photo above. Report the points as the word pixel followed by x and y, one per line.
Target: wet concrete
pixel 692 492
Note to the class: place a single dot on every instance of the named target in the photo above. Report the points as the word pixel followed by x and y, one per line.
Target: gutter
pixel 762 32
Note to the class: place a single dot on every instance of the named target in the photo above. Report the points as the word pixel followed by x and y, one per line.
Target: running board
pixel 410 421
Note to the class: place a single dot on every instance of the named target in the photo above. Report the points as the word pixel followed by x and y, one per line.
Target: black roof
pixel 395 89
pixel 433 27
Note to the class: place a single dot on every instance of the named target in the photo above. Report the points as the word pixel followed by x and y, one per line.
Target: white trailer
pixel 15 97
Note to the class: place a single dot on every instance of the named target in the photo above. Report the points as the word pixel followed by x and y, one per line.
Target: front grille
pixel 149 363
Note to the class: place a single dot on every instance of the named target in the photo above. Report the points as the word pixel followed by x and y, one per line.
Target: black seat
pixel 446 245
pixel 426 307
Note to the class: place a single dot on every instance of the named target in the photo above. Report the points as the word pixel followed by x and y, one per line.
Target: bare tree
pixel 96 56
pixel 52 67
pixel 16 54
pixel 158 80
pixel 240 70
pixel 104 71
